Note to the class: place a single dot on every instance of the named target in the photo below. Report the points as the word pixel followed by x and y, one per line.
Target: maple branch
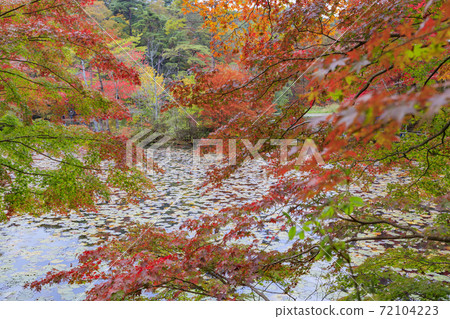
pixel 366 86
pixel 54 159
pixel 435 70
pixel 31 12
pixel 22 77
pixel 271 84
pixel 331 38
pixel 52 138
pixel 270 19
pixel 54 73
pixel 195 286
pixel 427 140
pixel 384 238
pixel 379 221
pixel 428 160
pixel 23 172
pixel 296 121
pixel 29 80
pixel 296 101
pixel 293 257
pixel 253 79
pixel 419 37
pixel 6 124
pixel 415 234
pixel 217 276
pixel 412 148
pixel 258 292
pixel 19 7
pixel 425 171
pixel 169 286
pixel 315 45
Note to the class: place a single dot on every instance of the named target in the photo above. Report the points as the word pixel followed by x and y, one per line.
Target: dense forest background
pixel 168 44
pixel 163 44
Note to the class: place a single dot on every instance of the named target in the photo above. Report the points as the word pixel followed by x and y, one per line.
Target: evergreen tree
pixel 129 9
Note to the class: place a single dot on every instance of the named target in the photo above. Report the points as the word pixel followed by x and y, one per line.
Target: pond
pixel 32 246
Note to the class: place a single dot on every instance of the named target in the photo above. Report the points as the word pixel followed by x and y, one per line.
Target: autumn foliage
pixel 351 52
pixel 216 112
pixel 39 40
pixel 41 43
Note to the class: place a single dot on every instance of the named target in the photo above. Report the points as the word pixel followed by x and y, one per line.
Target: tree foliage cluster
pixel 162 44
pixel 41 42
pixel 385 63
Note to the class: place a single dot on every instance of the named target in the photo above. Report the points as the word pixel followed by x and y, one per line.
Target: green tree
pixel 129 9
pixel 38 81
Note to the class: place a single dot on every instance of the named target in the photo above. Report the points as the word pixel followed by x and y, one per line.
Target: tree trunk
pixel 213 59
pixel 84 73
pixel 91 76
pixel 100 80
pixel 129 21
pixel 116 87
pixel 155 89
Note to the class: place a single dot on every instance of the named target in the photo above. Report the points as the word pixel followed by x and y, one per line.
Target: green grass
pixel 331 108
